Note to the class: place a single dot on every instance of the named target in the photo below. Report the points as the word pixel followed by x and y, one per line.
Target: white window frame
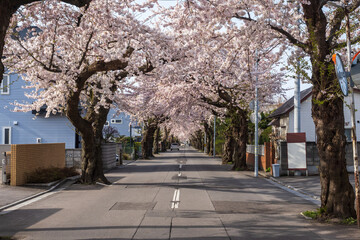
pixel 113 121
pixel 348 136
pixel 107 123
pixel 3 134
pixel 7 78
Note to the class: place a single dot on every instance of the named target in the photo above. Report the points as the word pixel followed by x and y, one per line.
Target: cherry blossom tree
pixel 315 28
pixel 219 65
pixel 308 28
pixel 83 59
pixel 8 8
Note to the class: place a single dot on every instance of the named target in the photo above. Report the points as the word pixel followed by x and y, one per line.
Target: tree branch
pixel 286 34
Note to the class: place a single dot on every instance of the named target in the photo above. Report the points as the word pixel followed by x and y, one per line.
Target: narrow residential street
pixel 177 195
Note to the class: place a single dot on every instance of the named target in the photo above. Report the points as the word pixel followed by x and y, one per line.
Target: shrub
pixel 126 156
pixel 46 175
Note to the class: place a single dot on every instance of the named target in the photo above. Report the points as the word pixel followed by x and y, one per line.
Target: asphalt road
pixel 177 195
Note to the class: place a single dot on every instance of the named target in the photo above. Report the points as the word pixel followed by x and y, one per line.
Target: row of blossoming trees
pixel 177 67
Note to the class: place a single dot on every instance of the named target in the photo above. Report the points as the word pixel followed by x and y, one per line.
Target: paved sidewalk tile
pixel 11 194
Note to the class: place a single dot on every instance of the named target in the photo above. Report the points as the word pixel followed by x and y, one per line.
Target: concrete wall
pixel 73 158
pixel 25 158
pixel 266 156
pixel 109 155
pixel 109 151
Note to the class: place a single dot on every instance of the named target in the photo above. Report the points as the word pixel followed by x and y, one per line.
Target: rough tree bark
pixel 90 128
pixel 239 129
pixel 157 138
pixel 337 194
pixel 209 137
pixel 148 138
pixel 197 140
pixel 228 147
pixel 164 142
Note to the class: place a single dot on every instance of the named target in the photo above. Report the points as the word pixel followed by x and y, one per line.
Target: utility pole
pixel 353 124
pixel 256 118
pixel 205 141
pixel 214 135
pixel 297 126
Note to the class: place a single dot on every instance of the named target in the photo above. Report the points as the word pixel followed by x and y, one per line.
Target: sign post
pixel 343 76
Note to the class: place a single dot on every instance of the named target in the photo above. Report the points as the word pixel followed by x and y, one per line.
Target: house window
pixel 5 85
pixel 348 134
pixel 116 121
pixel 106 123
pixel 6 135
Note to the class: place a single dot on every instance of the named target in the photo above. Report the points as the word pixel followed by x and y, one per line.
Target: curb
pixel 74 178
pixel 289 186
pixel 123 165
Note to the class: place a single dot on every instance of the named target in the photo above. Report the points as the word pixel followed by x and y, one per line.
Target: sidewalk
pixel 310 185
pixel 10 195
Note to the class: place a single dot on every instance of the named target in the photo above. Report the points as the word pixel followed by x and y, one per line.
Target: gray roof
pixel 289 104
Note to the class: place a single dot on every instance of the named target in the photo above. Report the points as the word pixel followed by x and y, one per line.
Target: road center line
pixel 176 199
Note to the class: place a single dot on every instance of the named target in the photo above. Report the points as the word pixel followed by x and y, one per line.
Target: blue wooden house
pixel 24 128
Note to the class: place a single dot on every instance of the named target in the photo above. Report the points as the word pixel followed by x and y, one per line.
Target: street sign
pixel 136 131
pixel 252 117
pixel 355 69
pixel 252 105
pixel 341 74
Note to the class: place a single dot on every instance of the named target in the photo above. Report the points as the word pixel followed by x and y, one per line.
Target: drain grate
pixel 133 206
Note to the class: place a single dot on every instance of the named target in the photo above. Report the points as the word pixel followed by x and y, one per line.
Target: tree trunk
pixel 337 194
pixel 239 129
pixel 92 169
pixel 207 142
pixel 156 141
pixel 197 140
pixel 164 140
pixel 148 139
pixel 90 128
pixel 228 147
pixel 7 9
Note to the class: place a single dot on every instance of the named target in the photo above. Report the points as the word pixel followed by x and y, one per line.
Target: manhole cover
pixel 133 206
